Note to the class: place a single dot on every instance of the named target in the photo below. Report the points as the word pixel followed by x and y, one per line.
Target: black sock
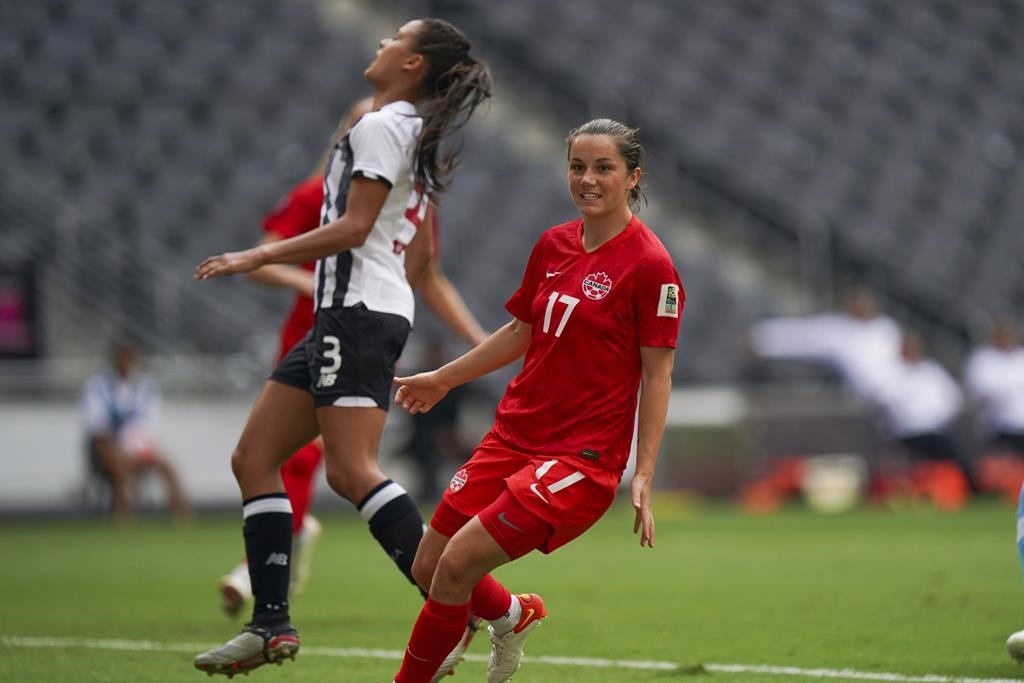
pixel 268 548
pixel 396 524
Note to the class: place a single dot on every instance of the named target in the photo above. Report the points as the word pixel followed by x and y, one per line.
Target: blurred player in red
pixel 295 214
pixel 597 316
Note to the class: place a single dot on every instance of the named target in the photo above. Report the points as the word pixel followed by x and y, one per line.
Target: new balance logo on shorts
pixel 327 380
pixel 280 559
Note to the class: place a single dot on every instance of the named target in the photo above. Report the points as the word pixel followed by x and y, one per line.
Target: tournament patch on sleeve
pixel 668 301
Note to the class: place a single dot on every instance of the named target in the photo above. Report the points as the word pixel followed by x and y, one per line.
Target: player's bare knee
pixel 453 577
pixel 241 464
pixel 423 570
pixel 340 481
pixel 352 478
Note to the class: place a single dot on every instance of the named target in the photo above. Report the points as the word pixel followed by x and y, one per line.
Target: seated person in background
pixel 119 408
pixel 921 403
pixel 860 343
pixel 994 377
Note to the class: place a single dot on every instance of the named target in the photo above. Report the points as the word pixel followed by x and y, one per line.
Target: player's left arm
pixel 421 251
pixel 656 368
pixel 424 273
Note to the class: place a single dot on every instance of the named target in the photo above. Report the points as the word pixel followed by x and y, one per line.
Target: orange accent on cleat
pixel 533 610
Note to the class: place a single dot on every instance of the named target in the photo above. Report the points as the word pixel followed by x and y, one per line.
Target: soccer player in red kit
pixel 596 316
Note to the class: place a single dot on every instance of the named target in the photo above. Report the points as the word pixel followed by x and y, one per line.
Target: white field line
pixel 396 655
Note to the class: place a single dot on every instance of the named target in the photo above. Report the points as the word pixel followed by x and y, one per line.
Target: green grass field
pixel 914 593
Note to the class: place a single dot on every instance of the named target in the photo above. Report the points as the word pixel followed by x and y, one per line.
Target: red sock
pixel 297 475
pixel 490 599
pixel 437 630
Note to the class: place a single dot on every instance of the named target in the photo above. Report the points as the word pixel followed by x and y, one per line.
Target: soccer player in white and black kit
pixel 337 381
pixel 596 319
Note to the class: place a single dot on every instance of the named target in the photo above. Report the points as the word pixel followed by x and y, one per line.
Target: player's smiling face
pixel 394 54
pixel 598 177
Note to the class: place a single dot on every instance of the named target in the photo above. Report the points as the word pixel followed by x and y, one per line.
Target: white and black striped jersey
pixel 380 146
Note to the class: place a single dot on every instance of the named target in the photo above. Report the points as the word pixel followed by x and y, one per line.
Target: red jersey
pixel 576 394
pixel 293 215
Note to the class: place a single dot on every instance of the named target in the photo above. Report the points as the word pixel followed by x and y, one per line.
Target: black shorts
pixel 348 358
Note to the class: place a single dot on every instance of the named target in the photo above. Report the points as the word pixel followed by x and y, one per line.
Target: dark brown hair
pixel 628 142
pixel 454 86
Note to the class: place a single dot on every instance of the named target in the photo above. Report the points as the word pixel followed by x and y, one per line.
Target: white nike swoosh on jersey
pixel 533 487
pixel 552 274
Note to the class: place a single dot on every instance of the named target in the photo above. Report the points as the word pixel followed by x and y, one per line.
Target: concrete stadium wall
pixel 44 467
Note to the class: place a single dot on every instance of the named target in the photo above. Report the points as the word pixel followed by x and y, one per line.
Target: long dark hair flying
pixel 454 86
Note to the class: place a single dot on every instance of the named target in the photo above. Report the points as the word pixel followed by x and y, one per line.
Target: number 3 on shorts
pixel 333 354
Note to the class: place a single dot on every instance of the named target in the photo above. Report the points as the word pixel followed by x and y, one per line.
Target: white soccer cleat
pixel 252 648
pixel 303 544
pixel 507 649
pixel 235 590
pixel 1015 646
pixel 458 653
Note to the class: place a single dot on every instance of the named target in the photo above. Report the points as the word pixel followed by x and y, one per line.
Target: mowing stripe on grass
pixel 396 655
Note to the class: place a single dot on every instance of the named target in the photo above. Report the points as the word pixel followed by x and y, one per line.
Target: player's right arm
pixel 283 276
pixel 419 393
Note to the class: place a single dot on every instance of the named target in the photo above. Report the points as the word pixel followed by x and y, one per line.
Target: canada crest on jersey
pixel 597 285
pixel 459 480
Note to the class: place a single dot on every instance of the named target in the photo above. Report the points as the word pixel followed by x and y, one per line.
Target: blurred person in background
pixel 435 438
pixel 921 403
pixel 336 382
pixel 858 342
pixel 599 300
pixel 120 409
pixel 297 213
pixel 994 378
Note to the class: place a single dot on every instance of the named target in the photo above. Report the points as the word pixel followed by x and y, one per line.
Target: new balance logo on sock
pixel 280 559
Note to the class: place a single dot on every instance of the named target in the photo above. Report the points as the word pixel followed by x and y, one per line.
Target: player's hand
pixel 644 521
pixel 419 393
pixel 229 264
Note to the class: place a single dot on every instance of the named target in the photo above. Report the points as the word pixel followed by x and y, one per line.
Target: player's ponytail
pixel 455 84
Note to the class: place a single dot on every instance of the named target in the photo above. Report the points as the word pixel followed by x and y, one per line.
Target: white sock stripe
pixel 380 499
pixel 264 505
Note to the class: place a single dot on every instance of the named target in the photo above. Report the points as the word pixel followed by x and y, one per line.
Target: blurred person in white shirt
pixel 120 408
pixel 994 376
pixel 860 343
pixel 921 403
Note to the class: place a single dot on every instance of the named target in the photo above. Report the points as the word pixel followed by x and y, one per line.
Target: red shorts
pixel 567 493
